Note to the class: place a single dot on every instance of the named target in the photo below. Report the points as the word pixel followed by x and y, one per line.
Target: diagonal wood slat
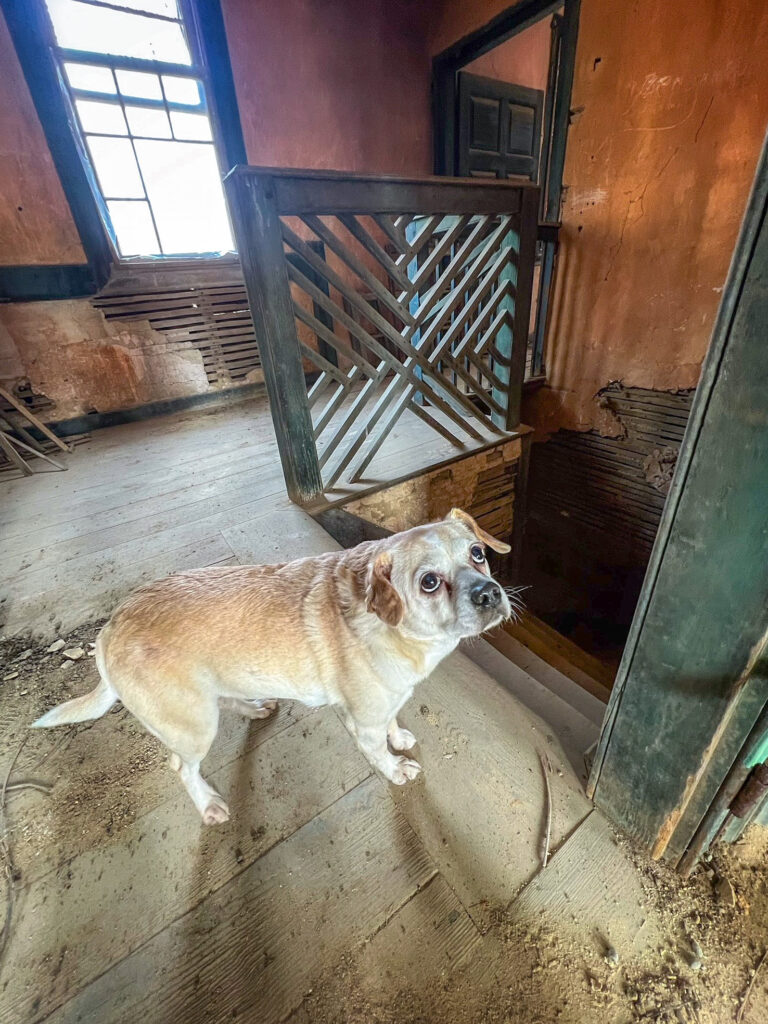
pixel 423 309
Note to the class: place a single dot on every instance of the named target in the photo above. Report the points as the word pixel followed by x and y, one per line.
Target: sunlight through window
pixel 139 101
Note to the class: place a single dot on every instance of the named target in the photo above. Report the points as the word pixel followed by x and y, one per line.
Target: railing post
pixel 260 245
pixel 512 341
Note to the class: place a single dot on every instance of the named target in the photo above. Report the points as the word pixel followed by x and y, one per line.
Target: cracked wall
pixel 669 111
pixel 672 104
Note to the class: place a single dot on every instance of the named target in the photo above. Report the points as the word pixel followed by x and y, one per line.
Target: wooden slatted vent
pixel 212 318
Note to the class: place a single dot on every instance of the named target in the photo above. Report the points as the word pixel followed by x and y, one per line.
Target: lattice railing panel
pixel 423 302
pixel 405 296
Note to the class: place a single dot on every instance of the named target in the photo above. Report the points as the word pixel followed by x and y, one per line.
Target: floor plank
pixel 591 889
pixel 478 807
pixel 432 937
pixel 119 896
pixel 110 777
pixel 253 948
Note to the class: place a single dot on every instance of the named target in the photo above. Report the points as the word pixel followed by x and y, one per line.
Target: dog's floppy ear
pixel 380 596
pixel 479 532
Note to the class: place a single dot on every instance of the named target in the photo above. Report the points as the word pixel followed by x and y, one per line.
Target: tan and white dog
pixel 357 628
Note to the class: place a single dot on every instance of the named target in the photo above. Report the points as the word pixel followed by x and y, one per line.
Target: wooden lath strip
pixel 387 227
pixel 421 412
pixel 442 345
pixel 431 264
pixel 481 231
pixel 387 359
pixel 363 397
pixel 367 311
pixel 414 247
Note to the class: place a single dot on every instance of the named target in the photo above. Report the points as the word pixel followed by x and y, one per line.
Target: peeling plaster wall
pixel 670 106
pixel 672 103
pixel 316 88
pixel 83 364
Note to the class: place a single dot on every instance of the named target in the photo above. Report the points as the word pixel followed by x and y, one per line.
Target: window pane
pixel 191 126
pixel 79 26
pixel 181 90
pixel 184 187
pixel 91 78
pixel 101 117
pixel 139 84
pixel 144 121
pixel 116 167
pixel 169 8
pixel 133 227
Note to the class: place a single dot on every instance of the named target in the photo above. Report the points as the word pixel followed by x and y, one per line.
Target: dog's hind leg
pixel 188 730
pixel 211 805
pixel 249 708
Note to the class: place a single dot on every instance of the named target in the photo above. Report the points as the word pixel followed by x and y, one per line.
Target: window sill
pixel 162 272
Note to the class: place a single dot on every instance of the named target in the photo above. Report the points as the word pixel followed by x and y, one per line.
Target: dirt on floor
pixel 710 933
pixel 695 963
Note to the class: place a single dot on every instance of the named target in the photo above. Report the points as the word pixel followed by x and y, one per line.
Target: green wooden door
pixel 692 680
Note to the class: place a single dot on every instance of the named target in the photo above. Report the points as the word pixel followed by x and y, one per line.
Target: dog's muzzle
pixel 486 595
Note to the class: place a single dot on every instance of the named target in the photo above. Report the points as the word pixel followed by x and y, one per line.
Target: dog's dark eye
pixel 430 582
pixel 478 555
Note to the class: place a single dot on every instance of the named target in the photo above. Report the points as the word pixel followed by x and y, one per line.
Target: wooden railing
pixel 373 296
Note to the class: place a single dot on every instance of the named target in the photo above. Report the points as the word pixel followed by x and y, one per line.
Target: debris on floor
pixel 697 959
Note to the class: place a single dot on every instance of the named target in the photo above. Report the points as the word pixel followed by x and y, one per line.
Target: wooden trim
pixel 49 281
pixel 300 192
pixel 32 39
pixel 561 115
pixel 30 32
pixel 711 684
pixel 446 64
pixel 508 23
pixel 526 258
pixel 208 20
pixel 265 269
pixel 323 502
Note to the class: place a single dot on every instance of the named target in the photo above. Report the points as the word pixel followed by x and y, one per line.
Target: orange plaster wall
pixel 522 60
pixel 665 136
pixel 659 166
pixel 36 226
pixel 342 84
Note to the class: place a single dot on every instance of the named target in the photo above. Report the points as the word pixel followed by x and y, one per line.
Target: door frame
pixel 445 103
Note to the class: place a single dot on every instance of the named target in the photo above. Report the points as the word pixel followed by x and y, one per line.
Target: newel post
pixel 511 341
pixel 260 246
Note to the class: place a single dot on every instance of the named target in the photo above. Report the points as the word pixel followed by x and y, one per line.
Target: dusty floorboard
pixel 327 881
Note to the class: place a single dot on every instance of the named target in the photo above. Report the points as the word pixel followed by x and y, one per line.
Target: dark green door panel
pixel 688 691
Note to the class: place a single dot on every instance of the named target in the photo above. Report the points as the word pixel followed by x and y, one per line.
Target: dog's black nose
pixel 486 594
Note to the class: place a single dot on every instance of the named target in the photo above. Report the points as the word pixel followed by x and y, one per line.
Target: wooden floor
pixel 127 909
pixel 145 499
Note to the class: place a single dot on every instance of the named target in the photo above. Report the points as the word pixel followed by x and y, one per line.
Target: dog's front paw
pixel 402 739
pixel 217 812
pixel 404 770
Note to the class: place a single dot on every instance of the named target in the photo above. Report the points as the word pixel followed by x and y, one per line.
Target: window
pixel 137 92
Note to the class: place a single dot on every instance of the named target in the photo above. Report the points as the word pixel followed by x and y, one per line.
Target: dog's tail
pixel 82 709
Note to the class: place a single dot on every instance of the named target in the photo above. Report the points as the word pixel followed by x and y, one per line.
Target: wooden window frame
pixel 31 33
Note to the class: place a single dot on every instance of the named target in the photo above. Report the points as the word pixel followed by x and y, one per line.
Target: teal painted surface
pixel 685 697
